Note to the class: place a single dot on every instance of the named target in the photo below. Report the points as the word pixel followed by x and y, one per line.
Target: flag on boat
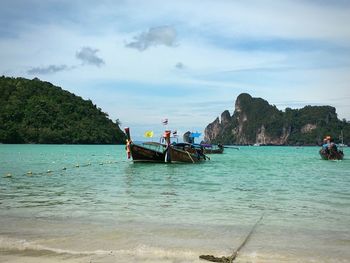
pixel 195 134
pixel 165 121
pixel 149 134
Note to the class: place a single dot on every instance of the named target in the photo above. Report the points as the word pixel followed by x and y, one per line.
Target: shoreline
pixel 48 240
pixel 156 255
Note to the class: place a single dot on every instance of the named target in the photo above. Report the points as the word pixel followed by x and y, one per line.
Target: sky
pixel 185 60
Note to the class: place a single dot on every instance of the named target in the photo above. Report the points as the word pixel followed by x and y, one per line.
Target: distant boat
pixel 331 154
pixel 330 151
pixel 163 153
pixel 212 148
pixel 231 147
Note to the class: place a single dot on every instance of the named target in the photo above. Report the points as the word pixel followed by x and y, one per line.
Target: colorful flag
pixel 165 121
pixel 149 134
pixel 175 133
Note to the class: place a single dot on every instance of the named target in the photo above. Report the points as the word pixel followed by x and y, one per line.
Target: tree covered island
pixel 35 111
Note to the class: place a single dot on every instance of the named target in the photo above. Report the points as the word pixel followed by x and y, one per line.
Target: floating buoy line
pixel 64 168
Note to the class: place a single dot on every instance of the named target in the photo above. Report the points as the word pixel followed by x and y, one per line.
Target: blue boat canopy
pixel 195 134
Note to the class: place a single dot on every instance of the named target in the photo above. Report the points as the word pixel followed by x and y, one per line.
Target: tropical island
pixel 255 121
pixel 35 111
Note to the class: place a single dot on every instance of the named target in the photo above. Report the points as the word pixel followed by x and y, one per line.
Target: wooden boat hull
pixel 213 151
pixel 160 153
pixel 186 153
pixel 212 148
pixel 183 156
pixel 331 154
pixel 143 154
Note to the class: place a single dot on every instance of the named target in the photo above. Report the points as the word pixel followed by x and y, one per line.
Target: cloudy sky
pixel 141 61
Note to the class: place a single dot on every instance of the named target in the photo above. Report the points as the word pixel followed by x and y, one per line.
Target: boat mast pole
pixel 128 142
pixel 167 140
pixel 127 132
pixel 342 139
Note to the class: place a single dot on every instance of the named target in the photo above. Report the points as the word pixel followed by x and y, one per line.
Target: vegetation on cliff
pixel 33 111
pixel 256 121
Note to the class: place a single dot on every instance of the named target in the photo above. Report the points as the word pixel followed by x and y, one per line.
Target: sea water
pixel 80 203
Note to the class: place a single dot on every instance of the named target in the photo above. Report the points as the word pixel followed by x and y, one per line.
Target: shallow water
pixel 78 203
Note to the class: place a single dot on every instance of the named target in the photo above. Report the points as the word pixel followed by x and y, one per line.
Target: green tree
pixel 34 111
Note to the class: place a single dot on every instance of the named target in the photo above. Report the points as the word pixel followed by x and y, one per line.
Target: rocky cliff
pixel 256 121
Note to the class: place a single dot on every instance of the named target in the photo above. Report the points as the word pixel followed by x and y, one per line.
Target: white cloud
pixel 88 56
pixel 179 65
pixel 162 35
pixel 47 69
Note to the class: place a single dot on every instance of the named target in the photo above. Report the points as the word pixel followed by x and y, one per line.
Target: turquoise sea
pixel 74 203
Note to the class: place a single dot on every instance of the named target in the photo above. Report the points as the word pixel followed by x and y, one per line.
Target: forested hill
pixel 34 111
pixel 256 121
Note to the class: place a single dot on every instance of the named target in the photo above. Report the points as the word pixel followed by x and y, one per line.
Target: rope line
pixel 190 156
pixel 234 255
pixel 71 167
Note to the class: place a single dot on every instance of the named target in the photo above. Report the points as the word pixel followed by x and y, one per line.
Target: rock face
pixel 256 121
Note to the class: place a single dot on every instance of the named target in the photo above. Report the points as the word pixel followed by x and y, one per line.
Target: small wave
pixel 142 251
pixel 11 244
pixel 145 253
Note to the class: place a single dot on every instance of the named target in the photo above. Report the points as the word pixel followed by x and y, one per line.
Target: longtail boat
pixel 212 148
pixel 145 152
pixel 330 151
pixel 331 154
pixel 186 152
pixel 163 153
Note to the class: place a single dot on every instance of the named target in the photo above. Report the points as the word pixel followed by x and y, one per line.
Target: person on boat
pixel 128 148
pixel 332 145
pixel 329 150
pixel 200 153
pixel 326 144
pixel 329 143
